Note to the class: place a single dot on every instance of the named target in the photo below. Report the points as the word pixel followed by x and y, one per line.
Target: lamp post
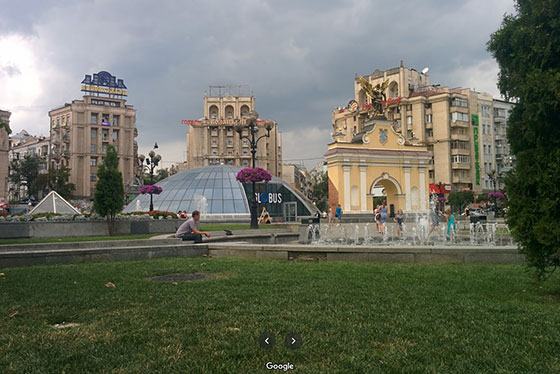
pixel 494 176
pixel 152 161
pixel 252 126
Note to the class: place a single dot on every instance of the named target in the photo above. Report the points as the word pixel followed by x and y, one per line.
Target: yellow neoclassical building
pixel 377 161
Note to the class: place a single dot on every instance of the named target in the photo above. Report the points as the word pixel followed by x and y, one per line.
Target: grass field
pixel 353 317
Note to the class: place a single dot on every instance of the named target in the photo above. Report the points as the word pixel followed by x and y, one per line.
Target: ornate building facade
pixel 211 140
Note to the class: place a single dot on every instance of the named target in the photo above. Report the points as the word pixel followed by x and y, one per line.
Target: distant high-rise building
pixel 212 140
pixel 457 125
pixel 4 161
pixel 505 160
pixel 81 131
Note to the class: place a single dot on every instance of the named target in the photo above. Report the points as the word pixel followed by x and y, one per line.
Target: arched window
pixel 213 112
pixel 393 90
pixel 229 112
pixel 244 110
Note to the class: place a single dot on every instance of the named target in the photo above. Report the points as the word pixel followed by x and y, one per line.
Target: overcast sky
pixel 298 56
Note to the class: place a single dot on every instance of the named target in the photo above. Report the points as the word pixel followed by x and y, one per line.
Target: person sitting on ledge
pixel 189 229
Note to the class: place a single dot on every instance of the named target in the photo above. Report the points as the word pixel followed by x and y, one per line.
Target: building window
pixel 458 116
pixel 245 152
pixel 214 152
pixel 409 120
pixel 116 120
pixel 92 177
pixel 459 144
pixel 93 133
pixel 105 135
pixel 229 112
pixel 115 136
pixel 93 161
pixel 428 118
pixel 460 159
pixel 410 134
pixel 213 112
pixel 230 142
pixel 104 148
pixel 214 141
pixel 459 102
pixel 429 133
pixel 409 107
pixel 93 148
pixel 116 148
pixel 485 109
pixel 245 162
pixel 431 174
pixel 93 118
pixel 244 111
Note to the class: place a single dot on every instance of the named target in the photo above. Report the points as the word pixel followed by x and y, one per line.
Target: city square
pixel 416 232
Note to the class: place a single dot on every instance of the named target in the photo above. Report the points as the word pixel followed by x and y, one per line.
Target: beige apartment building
pixel 455 124
pixel 80 133
pixel 4 149
pixel 212 140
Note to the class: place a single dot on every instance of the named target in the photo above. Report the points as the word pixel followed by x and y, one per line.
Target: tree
pixel 460 199
pixel 158 175
pixel 527 49
pixel 109 189
pixel 55 180
pixel 320 192
pixel 25 170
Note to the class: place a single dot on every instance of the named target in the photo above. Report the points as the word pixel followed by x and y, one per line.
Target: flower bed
pixel 250 175
pixel 151 189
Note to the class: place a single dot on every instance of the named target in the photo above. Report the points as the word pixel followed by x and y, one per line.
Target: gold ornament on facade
pixel 376 94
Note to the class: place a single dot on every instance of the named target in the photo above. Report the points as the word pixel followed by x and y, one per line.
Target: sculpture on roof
pixel 376 93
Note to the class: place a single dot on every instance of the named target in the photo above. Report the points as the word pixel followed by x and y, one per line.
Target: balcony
pixel 460 165
pixel 461 179
pixel 460 151
pixel 458 123
pixel 462 137
pixel 429 125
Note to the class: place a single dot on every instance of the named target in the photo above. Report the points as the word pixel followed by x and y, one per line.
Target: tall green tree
pixel 25 170
pixel 109 189
pixel 460 199
pixel 321 191
pixel 527 49
pixel 56 180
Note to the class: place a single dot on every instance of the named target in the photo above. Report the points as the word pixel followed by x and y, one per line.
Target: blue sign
pixel 264 198
pixel 104 83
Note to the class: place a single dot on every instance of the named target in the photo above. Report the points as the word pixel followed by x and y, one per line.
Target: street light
pixel 494 176
pixel 152 161
pixel 252 126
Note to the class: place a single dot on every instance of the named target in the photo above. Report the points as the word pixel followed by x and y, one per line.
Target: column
pixel 346 188
pixel 407 188
pixel 363 187
pixel 422 179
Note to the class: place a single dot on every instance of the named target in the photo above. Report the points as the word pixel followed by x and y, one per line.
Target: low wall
pixel 53 229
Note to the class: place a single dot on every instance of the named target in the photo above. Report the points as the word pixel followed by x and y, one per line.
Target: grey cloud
pixel 299 57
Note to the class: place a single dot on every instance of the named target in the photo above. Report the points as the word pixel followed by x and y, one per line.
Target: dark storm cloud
pixel 299 57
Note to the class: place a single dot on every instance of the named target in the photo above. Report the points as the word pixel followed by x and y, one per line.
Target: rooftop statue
pixel 376 93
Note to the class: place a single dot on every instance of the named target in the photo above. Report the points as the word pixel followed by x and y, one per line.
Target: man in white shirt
pixel 189 229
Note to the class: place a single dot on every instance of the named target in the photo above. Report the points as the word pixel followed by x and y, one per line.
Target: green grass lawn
pixel 76 239
pixel 353 317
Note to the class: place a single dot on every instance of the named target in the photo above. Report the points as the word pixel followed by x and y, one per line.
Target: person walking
pixel 450 221
pixel 331 215
pixel 383 215
pixel 377 217
pixel 399 219
pixel 189 229
pixel 339 213
pixel 434 218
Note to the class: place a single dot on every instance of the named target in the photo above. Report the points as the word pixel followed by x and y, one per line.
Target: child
pixel 450 221
pixel 399 220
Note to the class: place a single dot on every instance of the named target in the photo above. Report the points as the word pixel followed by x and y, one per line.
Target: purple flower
pixel 250 175
pixel 441 199
pixel 496 195
pixel 151 189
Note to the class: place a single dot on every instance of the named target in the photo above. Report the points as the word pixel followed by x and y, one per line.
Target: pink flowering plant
pixel 151 189
pixel 250 175
pixel 496 195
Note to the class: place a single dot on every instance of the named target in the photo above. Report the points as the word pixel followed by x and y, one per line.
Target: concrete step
pixel 77 255
pixel 86 245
